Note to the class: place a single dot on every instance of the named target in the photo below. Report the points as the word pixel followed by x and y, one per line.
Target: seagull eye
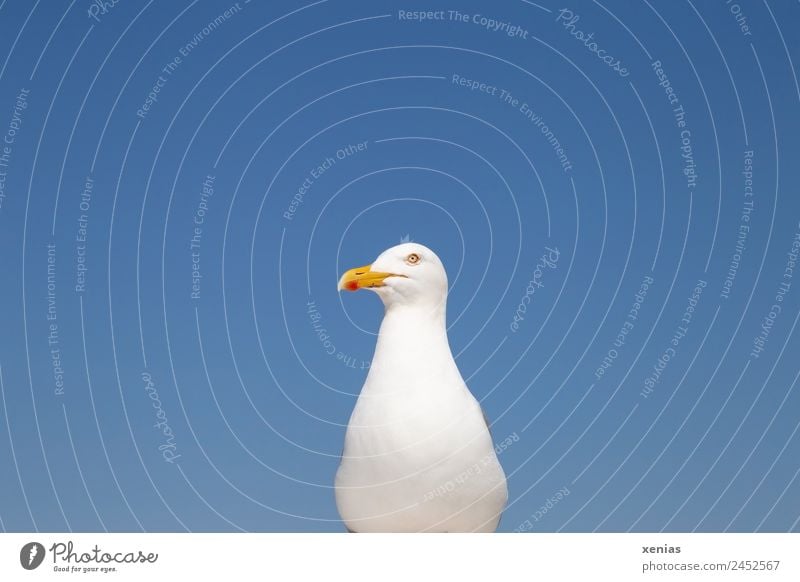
pixel 413 259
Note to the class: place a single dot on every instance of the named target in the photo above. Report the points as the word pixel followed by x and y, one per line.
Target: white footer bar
pixel 389 557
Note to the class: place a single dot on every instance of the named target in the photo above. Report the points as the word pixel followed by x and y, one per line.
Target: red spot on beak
pixel 352 285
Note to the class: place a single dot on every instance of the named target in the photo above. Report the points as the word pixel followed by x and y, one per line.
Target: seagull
pixel 418 455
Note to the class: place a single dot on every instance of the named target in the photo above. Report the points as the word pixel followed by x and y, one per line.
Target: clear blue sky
pixel 182 184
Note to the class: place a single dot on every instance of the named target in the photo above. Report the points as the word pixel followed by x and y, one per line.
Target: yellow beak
pixel 361 277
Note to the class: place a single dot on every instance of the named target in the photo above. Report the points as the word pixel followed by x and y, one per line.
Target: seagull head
pixel 408 274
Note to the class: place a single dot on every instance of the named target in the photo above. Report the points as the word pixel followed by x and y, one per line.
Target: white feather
pixel 418 455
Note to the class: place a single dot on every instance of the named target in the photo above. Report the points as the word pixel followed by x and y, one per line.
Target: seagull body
pixel 418 455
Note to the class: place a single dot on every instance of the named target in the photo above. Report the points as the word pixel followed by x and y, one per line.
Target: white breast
pixel 418 455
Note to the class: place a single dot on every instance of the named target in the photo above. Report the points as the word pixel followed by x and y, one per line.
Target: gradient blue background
pixel 256 402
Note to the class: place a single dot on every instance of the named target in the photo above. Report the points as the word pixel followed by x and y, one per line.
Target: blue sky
pixel 183 183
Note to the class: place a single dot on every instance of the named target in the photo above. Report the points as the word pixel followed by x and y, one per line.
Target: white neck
pixel 412 346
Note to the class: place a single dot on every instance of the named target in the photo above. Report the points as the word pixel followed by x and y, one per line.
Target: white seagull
pixel 418 456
